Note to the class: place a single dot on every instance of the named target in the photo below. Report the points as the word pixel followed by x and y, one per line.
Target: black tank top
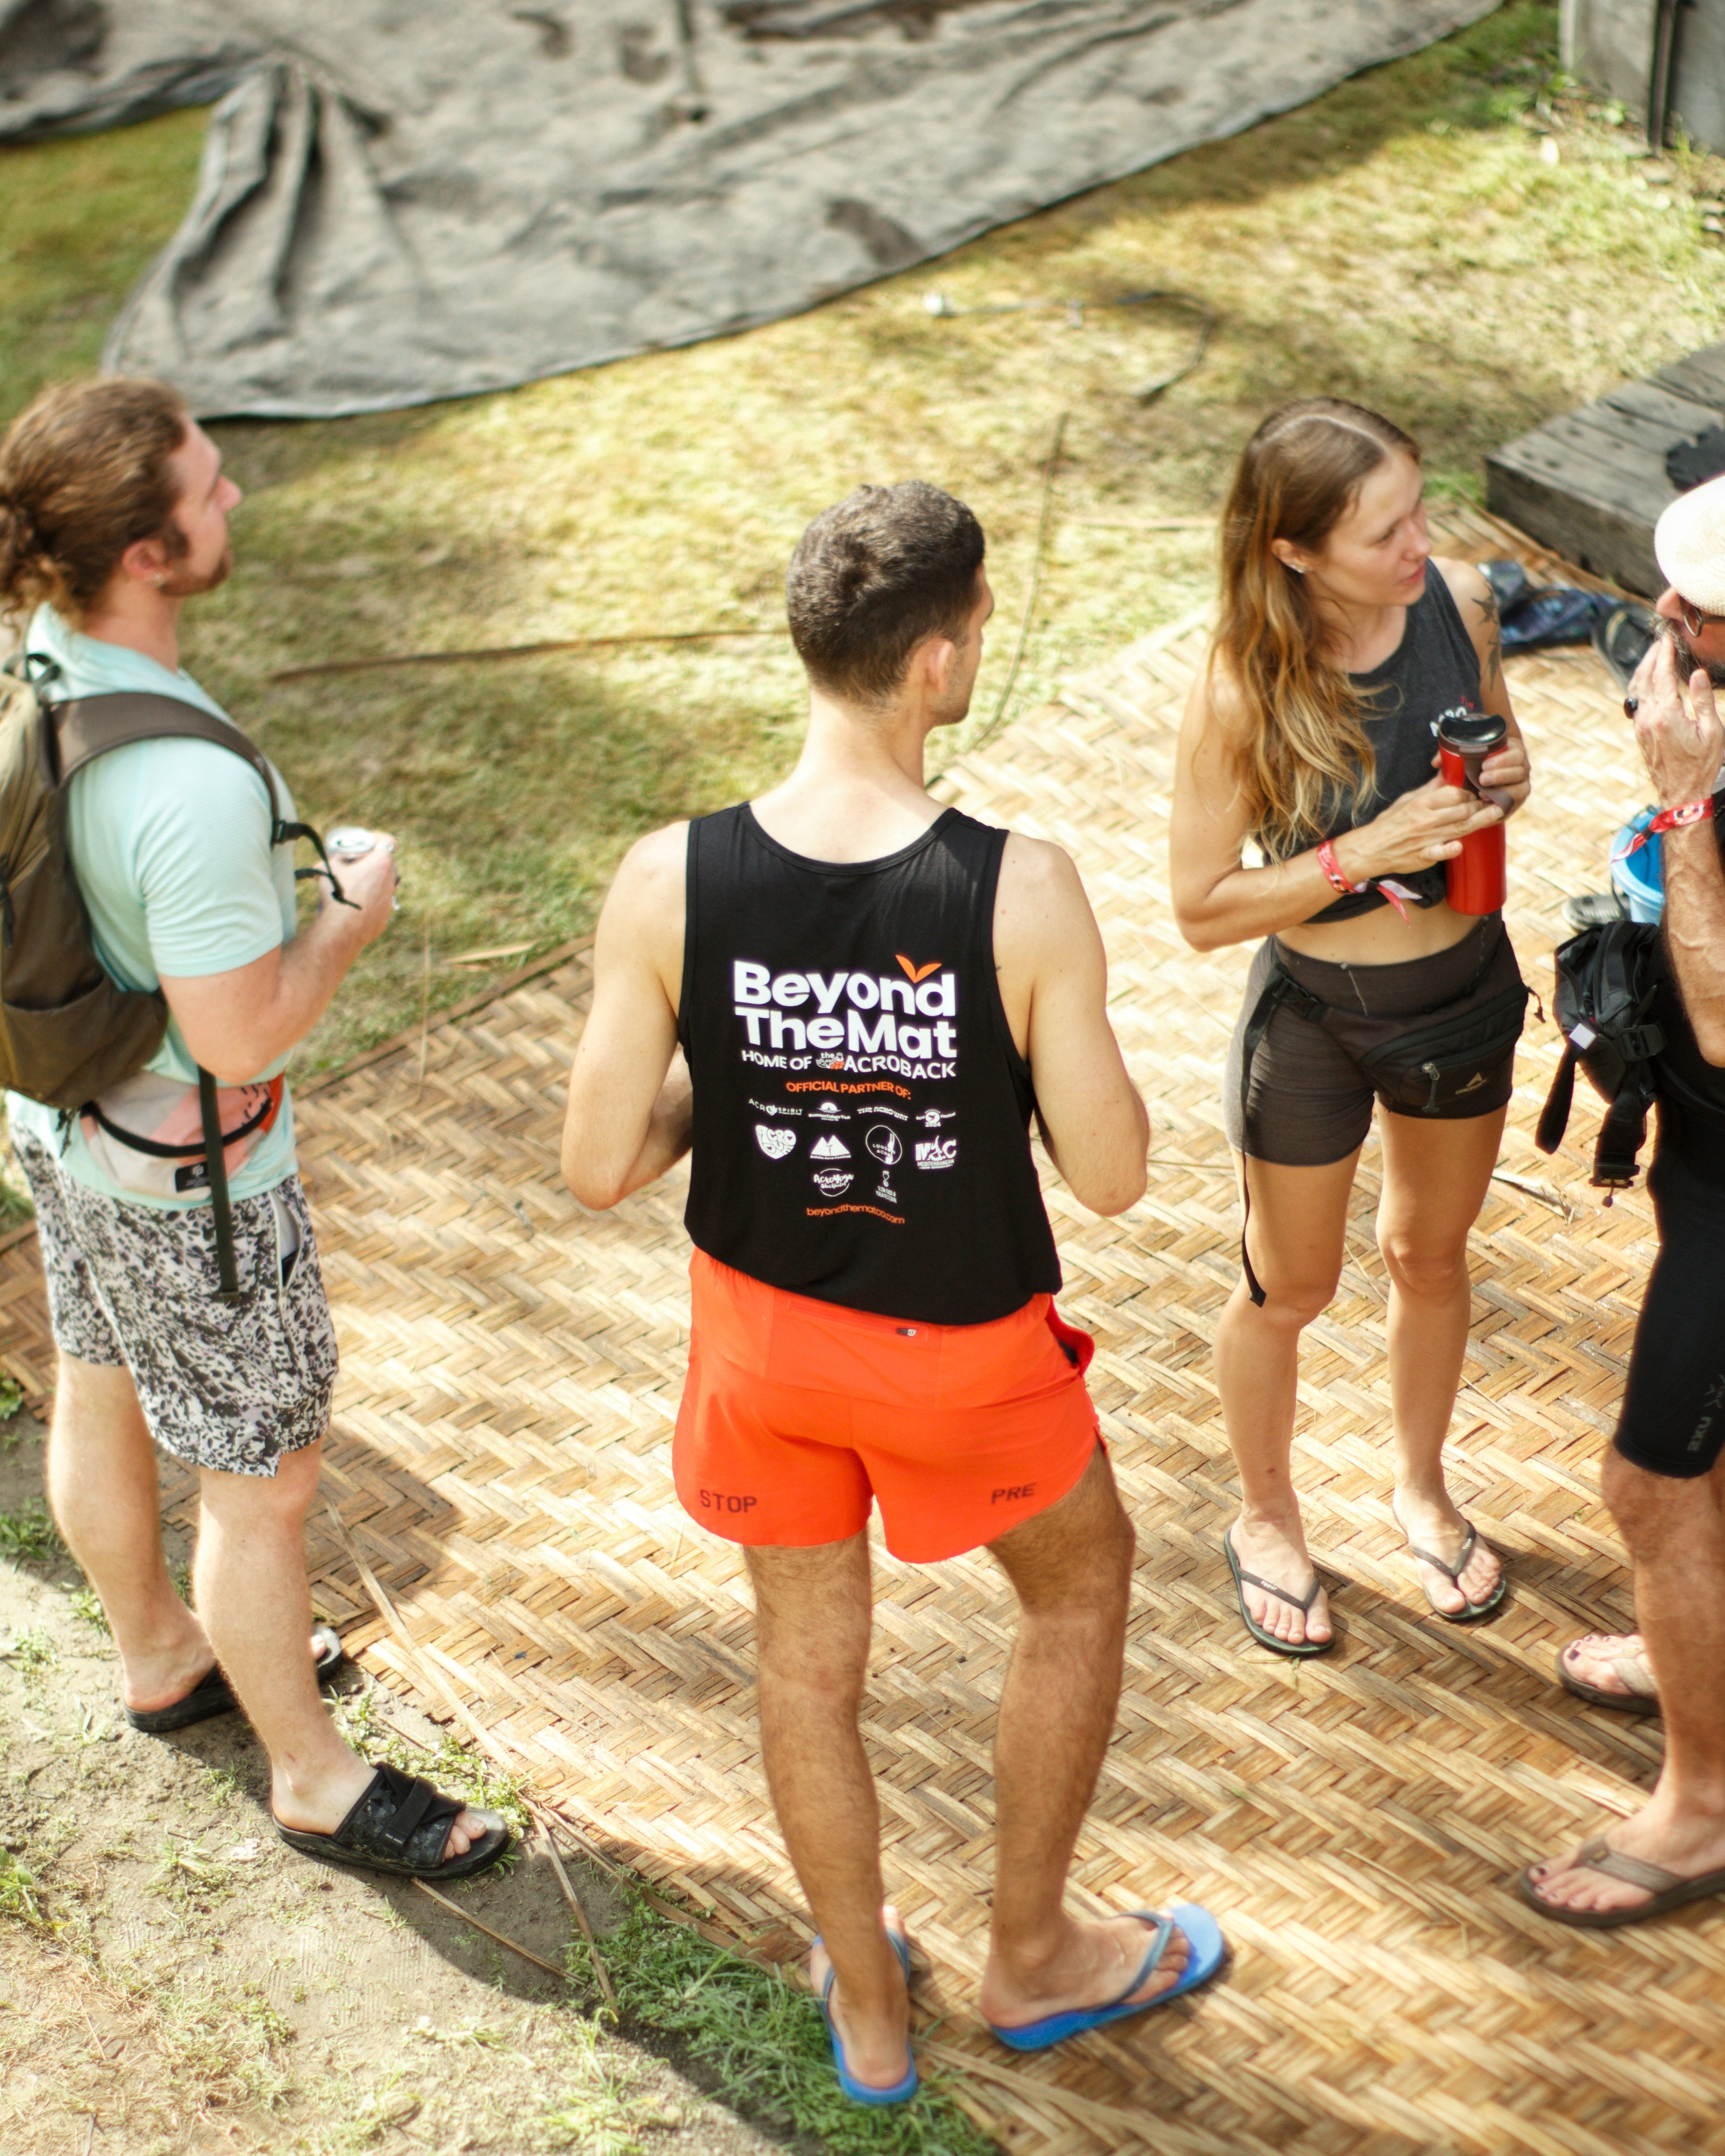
pixel 861 1117
pixel 1433 672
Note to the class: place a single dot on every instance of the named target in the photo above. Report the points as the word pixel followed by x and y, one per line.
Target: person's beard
pixel 184 584
pixel 1684 652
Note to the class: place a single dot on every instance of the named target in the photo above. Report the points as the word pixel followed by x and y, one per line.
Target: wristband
pixel 1336 877
pixel 1670 819
pixel 1333 870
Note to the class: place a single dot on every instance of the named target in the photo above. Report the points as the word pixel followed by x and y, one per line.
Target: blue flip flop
pixel 1206 1950
pixel 862 2091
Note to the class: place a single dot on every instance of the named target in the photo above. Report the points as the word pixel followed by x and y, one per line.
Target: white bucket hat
pixel 1689 540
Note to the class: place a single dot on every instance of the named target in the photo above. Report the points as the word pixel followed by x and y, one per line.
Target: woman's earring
pixel 1296 569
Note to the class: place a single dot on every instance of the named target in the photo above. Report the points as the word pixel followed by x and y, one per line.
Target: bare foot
pixel 1094 1966
pixel 1278 1554
pixel 1612 1662
pixel 1687 1845
pixel 153 1681
pixel 876 2046
pixel 320 1807
pixel 1434 1524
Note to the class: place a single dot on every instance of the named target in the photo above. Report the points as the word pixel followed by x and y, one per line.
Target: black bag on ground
pixel 1609 980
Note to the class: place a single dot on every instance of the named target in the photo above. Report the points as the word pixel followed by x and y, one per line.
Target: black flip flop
pixel 212 1694
pixel 399 1824
pixel 1474 1611
pixel 1621 1702
pixel 1242 1580
pixel 1666 1890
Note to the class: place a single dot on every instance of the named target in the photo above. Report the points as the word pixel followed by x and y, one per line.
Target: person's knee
pixel 1429 1272
pixel 278 1501
pixel 1650 1509
pixel 1292 1301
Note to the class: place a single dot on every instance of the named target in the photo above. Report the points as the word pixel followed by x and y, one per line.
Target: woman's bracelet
pixel 1391 892
pixel 1334 871
pixel 1668 819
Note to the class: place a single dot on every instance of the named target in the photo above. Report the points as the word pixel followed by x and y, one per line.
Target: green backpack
pixel 67 1031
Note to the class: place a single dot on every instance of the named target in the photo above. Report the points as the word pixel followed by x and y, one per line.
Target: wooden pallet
pixel 1593 484
pixel 500 1458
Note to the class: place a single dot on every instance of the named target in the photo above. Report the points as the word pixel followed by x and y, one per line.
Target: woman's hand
pixel 1506 772
pixel 1415 831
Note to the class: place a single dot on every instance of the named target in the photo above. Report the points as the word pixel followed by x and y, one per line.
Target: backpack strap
pixel 78 729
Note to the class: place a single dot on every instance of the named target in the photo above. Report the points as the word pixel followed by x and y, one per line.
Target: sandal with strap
pixel 1206 1950
pixel 213 1695
pixel 1642 1694
pixel 1666 1890
pixel 1242 1580
pixel 1473 1611
pixel 400 1824
pixel 904 2088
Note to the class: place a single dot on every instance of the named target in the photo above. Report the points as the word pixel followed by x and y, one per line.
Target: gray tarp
pixel 408 199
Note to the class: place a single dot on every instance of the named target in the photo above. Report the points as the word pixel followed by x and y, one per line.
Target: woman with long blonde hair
pixel 1311 735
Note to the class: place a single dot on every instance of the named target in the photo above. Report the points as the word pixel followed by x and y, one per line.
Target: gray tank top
pixel 1433 672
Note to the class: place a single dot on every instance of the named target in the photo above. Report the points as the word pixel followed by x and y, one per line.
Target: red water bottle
pixel 1474 879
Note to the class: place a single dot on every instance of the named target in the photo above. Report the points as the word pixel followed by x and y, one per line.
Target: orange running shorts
pixel 799 1414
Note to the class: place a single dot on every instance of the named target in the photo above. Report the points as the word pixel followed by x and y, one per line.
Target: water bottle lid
pixel 1472 733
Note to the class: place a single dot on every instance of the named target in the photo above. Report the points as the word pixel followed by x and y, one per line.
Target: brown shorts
pixel 1310 1102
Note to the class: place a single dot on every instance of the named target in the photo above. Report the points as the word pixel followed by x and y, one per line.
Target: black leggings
pixel 1673 1421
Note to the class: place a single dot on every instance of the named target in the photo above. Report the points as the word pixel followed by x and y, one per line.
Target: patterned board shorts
pixel 229 1386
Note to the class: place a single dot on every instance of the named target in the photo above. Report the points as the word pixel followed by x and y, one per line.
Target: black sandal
pixel 1242 1580
pixel 400 1824
pixel 1472 1612
pixel 213 1695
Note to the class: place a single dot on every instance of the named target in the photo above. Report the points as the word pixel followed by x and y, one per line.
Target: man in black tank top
pixel 849 1003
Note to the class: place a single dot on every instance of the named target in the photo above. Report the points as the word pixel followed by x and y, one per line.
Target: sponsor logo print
pixel 1013 1494
pixel 937 1152
pixel 884 1144
pixel 1472 1085
pixel 933 1118
pixel 828 1110
pixel 914 971
pixel 830 1062
pixel 830 1147
pixel 775 1144
pixel 833 1182
pixel 885 1192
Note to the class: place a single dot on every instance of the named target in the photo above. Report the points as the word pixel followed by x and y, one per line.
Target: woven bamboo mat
pixel 501 1455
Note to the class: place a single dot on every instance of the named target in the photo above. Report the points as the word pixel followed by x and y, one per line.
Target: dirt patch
pixel 173 1979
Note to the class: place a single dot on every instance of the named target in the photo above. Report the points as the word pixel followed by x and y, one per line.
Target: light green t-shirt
pixel 170 843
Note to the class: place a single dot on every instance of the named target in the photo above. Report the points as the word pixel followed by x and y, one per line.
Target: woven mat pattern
pixel 501 1455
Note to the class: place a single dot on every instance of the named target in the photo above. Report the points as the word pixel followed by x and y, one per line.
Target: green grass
pixel 30 1535
pixel 1400 240
pixel 766 2043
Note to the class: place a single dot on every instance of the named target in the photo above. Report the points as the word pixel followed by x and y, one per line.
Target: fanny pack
pixel 147 1135
pixel 1420 1063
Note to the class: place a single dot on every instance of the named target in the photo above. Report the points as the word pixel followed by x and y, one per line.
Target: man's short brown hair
pixel 873 576
pixel 84 475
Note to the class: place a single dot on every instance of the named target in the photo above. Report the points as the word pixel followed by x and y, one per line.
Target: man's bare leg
pixel 814 1614
pixel 102 1485
pixel 256 1605
pixel 1676 1534
pixel 1071 1569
